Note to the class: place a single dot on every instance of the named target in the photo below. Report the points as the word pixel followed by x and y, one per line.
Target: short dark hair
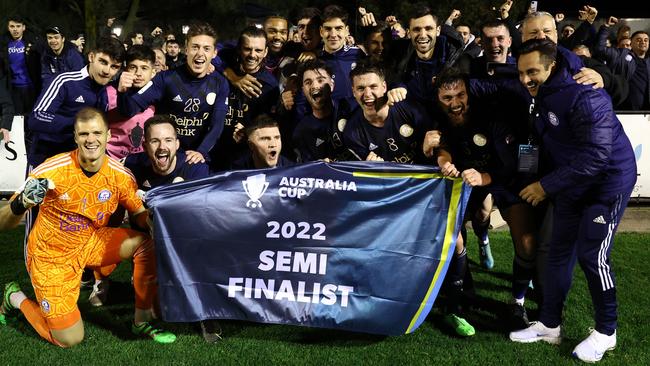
pixel 546 48
pixel 450 76
pixel 313 64
pixel 493 24
pixel 275 16
pixel 261 121
pixel 308 13
pixel 637 33
pixel 420 10
pixel 172 41
pixel 333 12
pixel 16 19
pixel 250 32
pixel 140 52
pixel 201 29
pixel 111 47
pixel 367 67
pixel 569 26
pixel 86 114
pixel 158 119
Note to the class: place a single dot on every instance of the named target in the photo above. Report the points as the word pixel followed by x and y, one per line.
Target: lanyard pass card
pixel 528 159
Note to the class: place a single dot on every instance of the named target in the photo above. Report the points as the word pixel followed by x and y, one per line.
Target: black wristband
pixel 17 207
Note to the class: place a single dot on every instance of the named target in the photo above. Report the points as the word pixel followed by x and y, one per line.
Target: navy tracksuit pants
pixel 583 232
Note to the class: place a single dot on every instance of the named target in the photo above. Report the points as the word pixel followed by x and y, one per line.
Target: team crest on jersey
pixel 104 195
pixel 552 118
pixel 353 65
pixel 479 140
pixel 210 98
pixel 341 124
pixel 45 306
pixel 405 130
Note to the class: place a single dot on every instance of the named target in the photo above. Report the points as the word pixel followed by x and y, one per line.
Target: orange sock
pixel 144 275
pixel 33 314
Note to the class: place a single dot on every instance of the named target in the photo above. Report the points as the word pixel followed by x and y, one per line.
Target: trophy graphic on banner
pixel 255 186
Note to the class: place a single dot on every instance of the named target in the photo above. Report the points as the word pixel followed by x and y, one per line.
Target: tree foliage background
pixel 228 16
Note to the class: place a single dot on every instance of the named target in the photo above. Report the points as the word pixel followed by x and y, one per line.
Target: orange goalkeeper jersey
pixel 78 204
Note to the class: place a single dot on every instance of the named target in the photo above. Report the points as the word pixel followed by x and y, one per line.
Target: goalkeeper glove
pixel 33 194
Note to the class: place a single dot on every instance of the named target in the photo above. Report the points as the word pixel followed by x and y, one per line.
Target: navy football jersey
pixel 316 138
pixel 140 166
pixel 197 106
pixel 399 140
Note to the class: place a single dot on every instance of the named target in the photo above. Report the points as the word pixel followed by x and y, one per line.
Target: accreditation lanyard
pixel 528 157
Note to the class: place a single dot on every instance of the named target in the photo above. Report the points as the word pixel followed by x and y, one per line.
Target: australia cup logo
pixel 255 186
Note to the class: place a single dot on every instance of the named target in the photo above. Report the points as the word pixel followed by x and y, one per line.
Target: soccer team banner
pixel 13 158
pixel 355 246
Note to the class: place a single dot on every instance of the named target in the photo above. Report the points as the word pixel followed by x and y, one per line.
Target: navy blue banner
pixel 356 246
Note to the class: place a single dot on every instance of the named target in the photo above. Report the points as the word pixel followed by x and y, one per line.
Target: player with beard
pixel 319 135
pixel 379 132
pixel 242 109
pixel 174 57
pixel 195 99
pixel 479 145
pixel 162 161
pixel 411 64
pixel 277 30
pixel 265 144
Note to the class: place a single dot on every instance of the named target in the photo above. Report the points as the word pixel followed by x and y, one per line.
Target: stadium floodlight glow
pixel 258 25
pixel 185 29
pixel 117 30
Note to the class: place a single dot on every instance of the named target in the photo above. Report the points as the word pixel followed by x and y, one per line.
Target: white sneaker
pixel 100 293
pixel 537 332
pixel 594 347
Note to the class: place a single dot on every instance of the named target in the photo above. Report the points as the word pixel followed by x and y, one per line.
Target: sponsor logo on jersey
pixel 104 195
pixel 178 99
pixel 255 186
pixel 80 99
pixel 479 140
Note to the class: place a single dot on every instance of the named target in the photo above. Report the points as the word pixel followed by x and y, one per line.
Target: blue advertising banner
pixel 355 246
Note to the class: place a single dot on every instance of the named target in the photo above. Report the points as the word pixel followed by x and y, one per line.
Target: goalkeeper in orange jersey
pixel 77 193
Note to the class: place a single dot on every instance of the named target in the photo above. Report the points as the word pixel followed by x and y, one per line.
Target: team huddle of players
pixel 268 102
